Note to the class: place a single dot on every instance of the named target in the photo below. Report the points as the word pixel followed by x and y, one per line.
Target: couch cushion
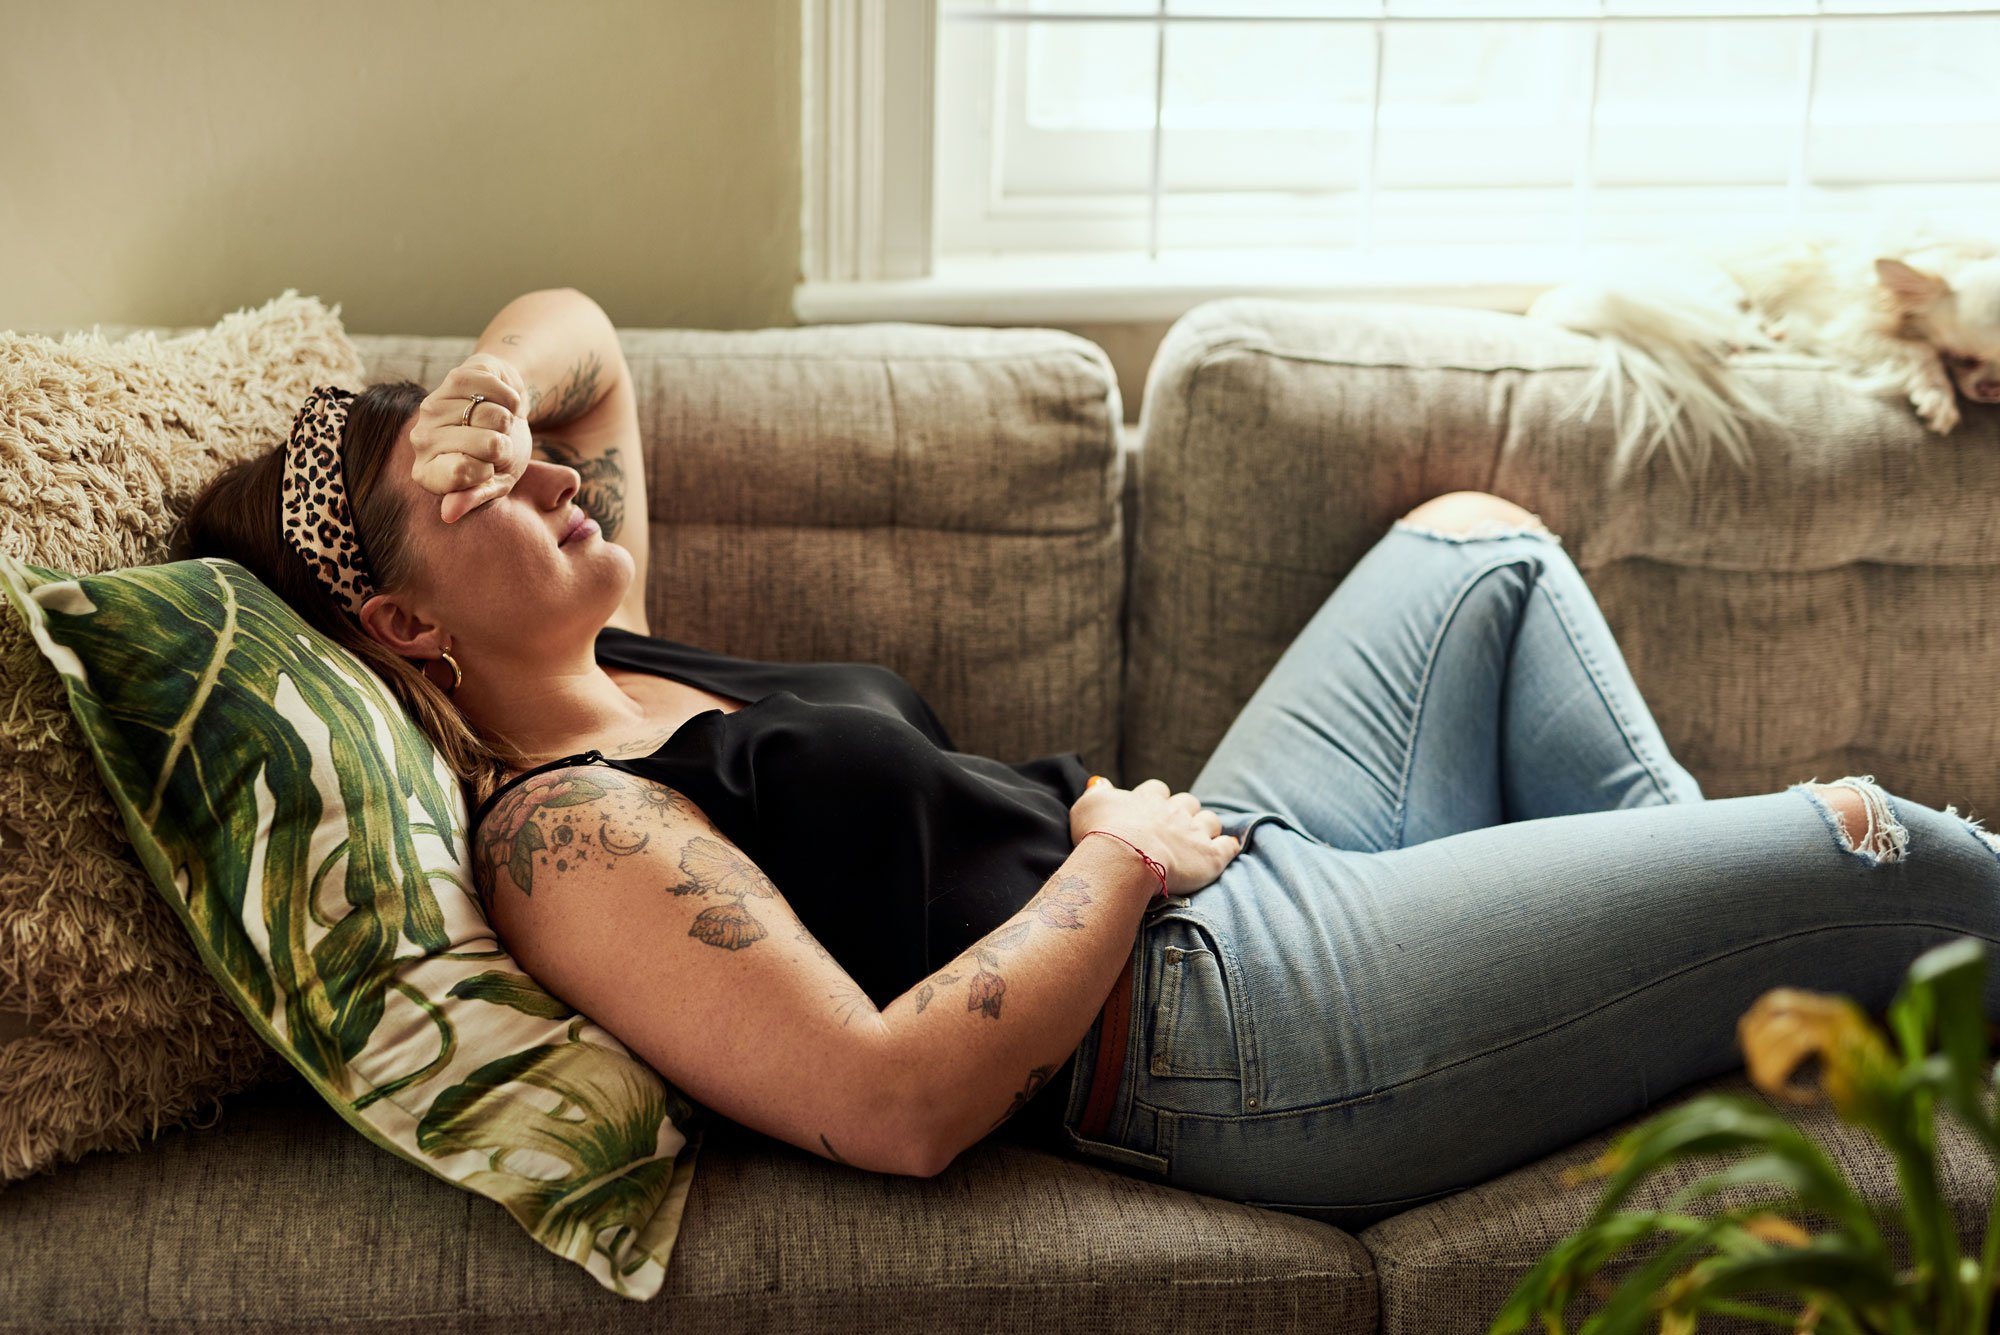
pixel 278 1217
pixel 944 501
pixel 1280 439
pixel 316 847
pixel 1446 1268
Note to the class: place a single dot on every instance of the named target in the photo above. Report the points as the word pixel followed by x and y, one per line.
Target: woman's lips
pixel 583 527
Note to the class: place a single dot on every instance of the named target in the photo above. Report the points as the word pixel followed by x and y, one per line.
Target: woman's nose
pixel 562 482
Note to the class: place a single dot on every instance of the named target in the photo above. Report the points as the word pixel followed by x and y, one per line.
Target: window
pixel 1108 159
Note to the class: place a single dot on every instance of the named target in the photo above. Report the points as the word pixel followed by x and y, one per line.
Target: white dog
pixel 1918 317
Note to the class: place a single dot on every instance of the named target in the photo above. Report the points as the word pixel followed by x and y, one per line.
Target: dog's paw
pixel 1937 407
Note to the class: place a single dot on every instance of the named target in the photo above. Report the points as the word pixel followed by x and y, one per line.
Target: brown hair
pixel 236 515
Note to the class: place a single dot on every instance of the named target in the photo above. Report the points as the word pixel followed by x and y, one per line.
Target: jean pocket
pixel 1194 1015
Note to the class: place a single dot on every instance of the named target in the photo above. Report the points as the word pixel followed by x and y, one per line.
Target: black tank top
pixel 896 850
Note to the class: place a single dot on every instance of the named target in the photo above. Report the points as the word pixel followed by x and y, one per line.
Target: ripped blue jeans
pixel 1482 912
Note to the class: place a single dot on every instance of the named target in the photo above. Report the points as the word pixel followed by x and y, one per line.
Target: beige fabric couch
pixel 961 505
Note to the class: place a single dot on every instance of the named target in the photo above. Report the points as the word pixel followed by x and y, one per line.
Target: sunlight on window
pixel 1203 124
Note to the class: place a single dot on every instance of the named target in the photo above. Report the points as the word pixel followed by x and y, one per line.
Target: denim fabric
pixel 1483 912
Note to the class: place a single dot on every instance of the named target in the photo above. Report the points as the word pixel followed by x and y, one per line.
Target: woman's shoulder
pixel 586 780
pixel 571 811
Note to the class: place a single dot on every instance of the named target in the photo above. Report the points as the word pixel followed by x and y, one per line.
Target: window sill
pixel 1075 288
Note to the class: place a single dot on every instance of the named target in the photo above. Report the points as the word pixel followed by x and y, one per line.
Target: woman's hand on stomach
pixel 1174 829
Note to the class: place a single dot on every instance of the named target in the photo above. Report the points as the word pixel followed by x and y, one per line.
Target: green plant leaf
pixel 1709 1124
pixel 1816 1183
pixel 1829 1264
pixel 1634 1303
pixel 1944 995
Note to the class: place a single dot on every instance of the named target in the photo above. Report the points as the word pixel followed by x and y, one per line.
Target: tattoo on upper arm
pixel 710 865
pixel 574 393
pixel 567 817
pixel 602 490
pixel 548 814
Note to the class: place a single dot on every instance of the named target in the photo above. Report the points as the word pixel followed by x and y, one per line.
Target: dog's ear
pixel 1912 289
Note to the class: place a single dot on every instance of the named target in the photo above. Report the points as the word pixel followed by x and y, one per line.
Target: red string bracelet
pixel 1155 867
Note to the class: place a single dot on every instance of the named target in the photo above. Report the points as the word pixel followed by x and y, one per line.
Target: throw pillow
pixel 119 1031
pixel 315 846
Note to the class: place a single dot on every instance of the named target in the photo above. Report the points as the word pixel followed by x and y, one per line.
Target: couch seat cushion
pixel 280 1216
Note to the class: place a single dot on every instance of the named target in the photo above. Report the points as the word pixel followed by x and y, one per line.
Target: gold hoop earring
pixel 456 675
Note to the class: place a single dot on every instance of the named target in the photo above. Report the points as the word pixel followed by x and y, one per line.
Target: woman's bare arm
pixel 584 412
pixel 566 348
pixel 620 897
pixel 980 1036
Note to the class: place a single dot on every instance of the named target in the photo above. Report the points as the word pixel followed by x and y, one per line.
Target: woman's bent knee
pixel 1465 511
pixel 1863 816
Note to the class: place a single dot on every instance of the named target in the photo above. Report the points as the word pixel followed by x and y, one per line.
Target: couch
pixel 966 506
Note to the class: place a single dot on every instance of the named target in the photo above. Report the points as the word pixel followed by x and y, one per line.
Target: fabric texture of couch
pixel 960 505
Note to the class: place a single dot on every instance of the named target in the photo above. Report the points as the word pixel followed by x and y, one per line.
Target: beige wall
pixel 419 165
pixel 165 162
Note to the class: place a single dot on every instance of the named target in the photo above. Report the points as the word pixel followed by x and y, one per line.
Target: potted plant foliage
pixel 1844 1276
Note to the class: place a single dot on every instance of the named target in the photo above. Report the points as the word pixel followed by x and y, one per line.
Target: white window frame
pixel 869 112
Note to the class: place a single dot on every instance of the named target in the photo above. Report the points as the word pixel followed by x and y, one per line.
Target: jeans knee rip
pixel 1885 840
pixel 1482 530
pixel 1984 835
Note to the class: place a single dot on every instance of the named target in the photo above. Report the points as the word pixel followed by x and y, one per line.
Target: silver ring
pixel 477 399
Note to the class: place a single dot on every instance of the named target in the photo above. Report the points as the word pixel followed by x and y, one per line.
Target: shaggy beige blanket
pixel 102 447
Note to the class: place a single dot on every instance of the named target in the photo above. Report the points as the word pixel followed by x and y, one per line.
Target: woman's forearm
pixel 977 1039
pixel 565 346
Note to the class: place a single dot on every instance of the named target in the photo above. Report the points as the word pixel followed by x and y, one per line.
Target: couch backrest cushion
pixel 944 501
pixel 1829 613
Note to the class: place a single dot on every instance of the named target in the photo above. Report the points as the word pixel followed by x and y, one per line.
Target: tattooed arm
pixel 622 899
pixel 979 1037
pixel 584 413
pixel 566 348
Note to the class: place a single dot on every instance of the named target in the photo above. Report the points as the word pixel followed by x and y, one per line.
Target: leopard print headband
pixel 317 519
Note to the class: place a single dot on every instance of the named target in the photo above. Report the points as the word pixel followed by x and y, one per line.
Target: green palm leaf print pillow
pixel 314 844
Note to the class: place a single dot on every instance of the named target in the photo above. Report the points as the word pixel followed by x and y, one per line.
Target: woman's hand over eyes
pixel 468 464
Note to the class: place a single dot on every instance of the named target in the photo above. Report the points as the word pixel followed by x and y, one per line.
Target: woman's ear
pixel 400 629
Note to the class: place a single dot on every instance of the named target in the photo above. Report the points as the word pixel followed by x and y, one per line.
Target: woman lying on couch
pixel 1490 915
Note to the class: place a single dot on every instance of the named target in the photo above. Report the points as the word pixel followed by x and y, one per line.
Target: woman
pixel 1485 915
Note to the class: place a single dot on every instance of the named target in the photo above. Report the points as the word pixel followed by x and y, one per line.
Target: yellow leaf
pixel 1776 1228
pixel 1787 1026
pixel 1603 1165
